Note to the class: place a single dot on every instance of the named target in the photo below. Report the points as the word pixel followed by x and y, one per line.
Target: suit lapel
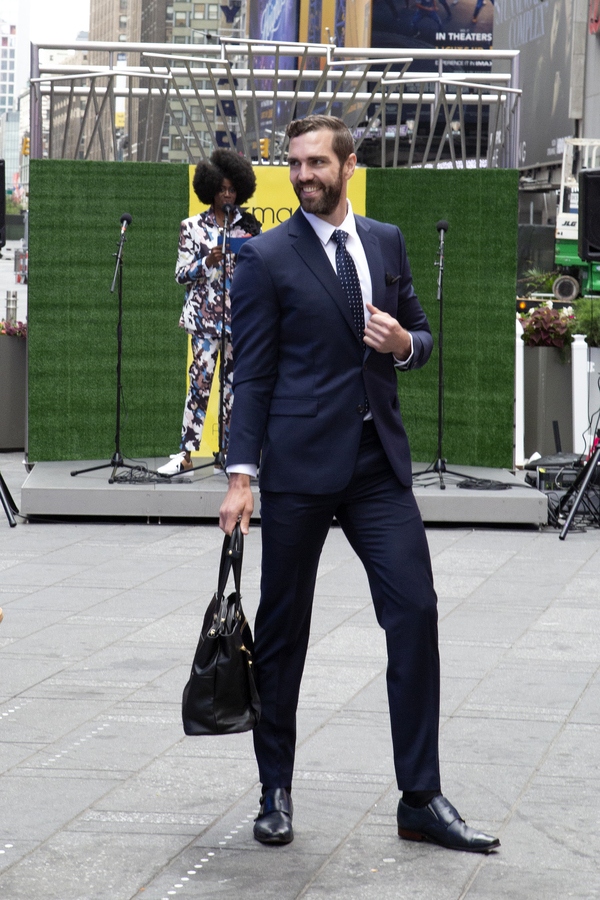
pixel 309 248
pixel 376 264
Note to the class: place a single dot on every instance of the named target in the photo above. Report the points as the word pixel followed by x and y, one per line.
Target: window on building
pixel 4 64
pixel 122 37
pixel 169 14
pixel 199 11
pixel 122 21
pixel 176 143
pixel 212 10
pixel 179 39
pixel 181 20
pixel 123 4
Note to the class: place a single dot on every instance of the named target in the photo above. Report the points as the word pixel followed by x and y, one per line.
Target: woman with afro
pixel 226 179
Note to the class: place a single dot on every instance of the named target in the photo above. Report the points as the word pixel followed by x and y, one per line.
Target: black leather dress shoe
pixel 440 822
pixel 273 825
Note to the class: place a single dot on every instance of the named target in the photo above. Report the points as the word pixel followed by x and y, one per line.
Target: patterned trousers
pixel 205 351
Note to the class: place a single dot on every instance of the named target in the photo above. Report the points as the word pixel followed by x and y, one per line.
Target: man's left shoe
pixel 273 825
pixel 440 822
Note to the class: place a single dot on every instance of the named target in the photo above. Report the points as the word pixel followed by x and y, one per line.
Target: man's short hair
pixel 342 142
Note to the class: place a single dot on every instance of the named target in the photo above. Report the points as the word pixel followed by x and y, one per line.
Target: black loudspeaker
pixel 2 206
pixel 589 214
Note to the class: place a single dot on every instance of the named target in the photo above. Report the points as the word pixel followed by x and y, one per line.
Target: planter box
pixel 13 392
pixel 547 390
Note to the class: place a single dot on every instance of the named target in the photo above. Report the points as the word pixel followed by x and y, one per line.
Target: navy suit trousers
pixel 382 523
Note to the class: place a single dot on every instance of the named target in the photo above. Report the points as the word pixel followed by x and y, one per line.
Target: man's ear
pixel 349 166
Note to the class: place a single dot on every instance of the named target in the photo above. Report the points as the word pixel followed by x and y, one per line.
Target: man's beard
pixel 327 200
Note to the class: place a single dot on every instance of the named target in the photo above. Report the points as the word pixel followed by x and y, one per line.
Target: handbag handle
pixel 231 559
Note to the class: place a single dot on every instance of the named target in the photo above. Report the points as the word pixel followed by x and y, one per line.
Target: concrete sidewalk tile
pixel 538 644
pixel 350 642
pixel 338 684
pixel 371 866
pixel 194 786
pixel 471 622
pixel 44 720
pixel 493 741
pixel 527 689
pixel 60 598
pixel 12 753
pixel 35 808
pixel 37 574
pixel 511 882
pixel 94 866
pixel 576 752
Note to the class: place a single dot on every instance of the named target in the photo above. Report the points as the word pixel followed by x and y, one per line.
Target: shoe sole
pixel 407 835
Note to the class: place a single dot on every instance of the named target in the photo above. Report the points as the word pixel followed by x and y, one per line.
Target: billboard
pixel 433 24
pixel 542 32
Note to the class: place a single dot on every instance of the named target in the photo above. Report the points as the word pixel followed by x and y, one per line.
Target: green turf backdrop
pixel 75 208
pixel 479 305
pixel 74 227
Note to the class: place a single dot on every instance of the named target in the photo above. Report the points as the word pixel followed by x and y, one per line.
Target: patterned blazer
pixel 202 312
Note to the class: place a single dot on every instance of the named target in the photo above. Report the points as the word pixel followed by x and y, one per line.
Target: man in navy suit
pixel 323 315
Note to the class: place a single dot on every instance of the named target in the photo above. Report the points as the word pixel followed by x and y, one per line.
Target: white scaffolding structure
pixel 404 107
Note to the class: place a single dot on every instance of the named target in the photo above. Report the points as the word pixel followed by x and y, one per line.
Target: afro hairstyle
pixel 209 176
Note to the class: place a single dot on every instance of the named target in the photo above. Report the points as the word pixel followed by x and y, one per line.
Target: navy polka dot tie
pixel 348 276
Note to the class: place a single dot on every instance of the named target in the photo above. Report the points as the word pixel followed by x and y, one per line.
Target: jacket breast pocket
pixel 293 406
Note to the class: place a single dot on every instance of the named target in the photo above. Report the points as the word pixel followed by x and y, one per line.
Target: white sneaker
pixel 174 466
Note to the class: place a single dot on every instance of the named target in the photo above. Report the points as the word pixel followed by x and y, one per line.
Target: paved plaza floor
pixel 103 798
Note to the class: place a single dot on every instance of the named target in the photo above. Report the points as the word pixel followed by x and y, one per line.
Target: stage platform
pixel 51 491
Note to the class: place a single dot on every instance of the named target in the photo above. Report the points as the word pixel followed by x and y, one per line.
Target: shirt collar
pixel 324 229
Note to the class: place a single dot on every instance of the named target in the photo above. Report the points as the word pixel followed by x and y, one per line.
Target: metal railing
pixel 404 107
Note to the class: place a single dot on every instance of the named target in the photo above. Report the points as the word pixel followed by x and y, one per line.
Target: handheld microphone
pixel 228 209
pixel 125 221
pixel 442 225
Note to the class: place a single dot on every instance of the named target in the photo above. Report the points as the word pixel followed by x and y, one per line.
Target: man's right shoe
pixel 273 825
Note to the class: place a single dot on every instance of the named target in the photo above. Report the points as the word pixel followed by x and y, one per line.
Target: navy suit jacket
pixel 300 371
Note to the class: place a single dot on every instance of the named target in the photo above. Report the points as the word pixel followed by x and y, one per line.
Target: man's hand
pixel 386 335
pixel 238 502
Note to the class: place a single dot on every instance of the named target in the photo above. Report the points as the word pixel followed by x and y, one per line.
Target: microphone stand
pixel 579 490
pixel 439 465
pixel 116 460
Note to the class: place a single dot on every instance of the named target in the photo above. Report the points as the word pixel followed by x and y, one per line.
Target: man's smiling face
pixel 316 174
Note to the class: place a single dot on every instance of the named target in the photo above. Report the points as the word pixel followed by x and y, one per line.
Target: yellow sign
pixel 273 202
pixel 119 120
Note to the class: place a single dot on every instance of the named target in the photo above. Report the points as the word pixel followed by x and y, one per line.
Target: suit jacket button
pixel 360 409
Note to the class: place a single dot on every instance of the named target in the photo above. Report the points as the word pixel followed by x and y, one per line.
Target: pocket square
pixel 391 279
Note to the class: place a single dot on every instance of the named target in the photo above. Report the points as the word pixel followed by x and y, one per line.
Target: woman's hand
pixel 215 257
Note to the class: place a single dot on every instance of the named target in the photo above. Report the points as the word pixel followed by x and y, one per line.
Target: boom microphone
pixel 442 225
pixel 125 221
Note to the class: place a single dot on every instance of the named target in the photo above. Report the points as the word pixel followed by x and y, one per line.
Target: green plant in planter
pixel 538 281
pixel 547 327
pixel 587 320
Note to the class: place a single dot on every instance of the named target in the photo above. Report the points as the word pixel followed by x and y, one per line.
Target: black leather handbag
pixel 220 696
